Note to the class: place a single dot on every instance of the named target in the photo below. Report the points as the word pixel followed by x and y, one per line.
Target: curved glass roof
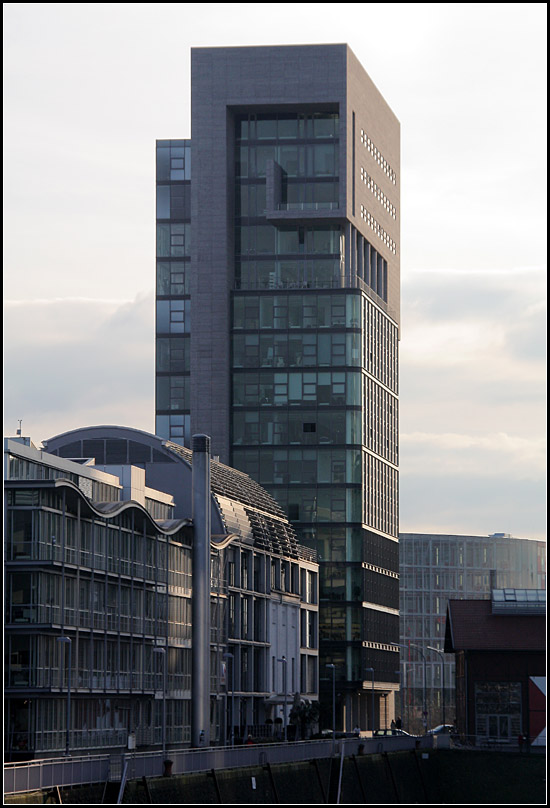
pixel 247 509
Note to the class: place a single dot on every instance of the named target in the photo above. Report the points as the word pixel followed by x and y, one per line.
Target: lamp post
pixel 398 673
pixel 331 665
pixel 283 661
pixel 423 655
pixel 425 706
pixel 68 641
pixel 230 656
pixel 438 651
pixel 163 652
pixel 371 671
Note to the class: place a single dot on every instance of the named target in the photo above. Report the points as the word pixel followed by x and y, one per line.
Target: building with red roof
pixel 500 650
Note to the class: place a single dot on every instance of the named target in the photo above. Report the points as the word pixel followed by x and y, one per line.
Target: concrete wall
pixel 460 777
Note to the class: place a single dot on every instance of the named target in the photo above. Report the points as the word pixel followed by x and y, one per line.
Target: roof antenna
pixel 18 432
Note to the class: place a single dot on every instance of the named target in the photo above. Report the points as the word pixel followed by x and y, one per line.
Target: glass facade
pixel 314 381
pixel 117 587
pixel 435 569
pixel 173 315
pixel 106 577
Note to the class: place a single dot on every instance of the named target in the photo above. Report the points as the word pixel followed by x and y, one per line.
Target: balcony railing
pixel 339 282
pixel 308 206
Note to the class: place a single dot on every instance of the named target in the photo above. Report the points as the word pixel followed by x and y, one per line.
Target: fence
pixel 40 775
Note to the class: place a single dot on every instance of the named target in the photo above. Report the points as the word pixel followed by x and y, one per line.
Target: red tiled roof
pixel 472 626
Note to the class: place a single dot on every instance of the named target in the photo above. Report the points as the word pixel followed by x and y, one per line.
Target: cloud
pixel 480 326
pixel 473 400
pixel 449 343
pixel 473 224
pixel 75 362
pixel 472 505
pixel 496 455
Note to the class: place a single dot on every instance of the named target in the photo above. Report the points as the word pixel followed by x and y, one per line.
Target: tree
pixel 303 715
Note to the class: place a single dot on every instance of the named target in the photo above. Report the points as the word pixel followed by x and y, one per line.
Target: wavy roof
pixel 108 510
pixel 246 509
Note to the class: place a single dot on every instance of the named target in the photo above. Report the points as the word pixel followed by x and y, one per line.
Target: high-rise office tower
pixel 278 319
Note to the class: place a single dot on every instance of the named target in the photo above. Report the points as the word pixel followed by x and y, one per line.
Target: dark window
pixel 94 448
pixel 116 451
pixel 293 511
pixel 72 449
pixel 180 201
pixel 138 453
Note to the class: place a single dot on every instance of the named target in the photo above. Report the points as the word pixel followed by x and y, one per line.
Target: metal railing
pixel 340 281
pixel 507 743
pixel 308 206
pixel 40 775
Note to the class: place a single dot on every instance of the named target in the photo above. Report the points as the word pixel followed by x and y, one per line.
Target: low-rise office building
pixel 99 601
pixel 435 568
pixel 500 649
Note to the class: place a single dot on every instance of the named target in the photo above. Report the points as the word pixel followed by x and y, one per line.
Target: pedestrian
pixel 398 723
pixel 520 741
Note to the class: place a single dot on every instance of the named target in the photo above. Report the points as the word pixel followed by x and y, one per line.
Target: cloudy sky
pixel 88 88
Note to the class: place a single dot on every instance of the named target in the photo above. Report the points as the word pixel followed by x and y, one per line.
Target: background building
pixel 95 570
pixel 500 649
pixel 278 317
pixel 435 569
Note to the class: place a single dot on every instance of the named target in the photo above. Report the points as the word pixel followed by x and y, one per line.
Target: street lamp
pixel 163 652
pixel 232 658
pixel 425 707
pixel 371 671
pixel 398 673
pixel 68 641
pixel 331 665
pixel 283 661
pixel 418 648
pixel 438 651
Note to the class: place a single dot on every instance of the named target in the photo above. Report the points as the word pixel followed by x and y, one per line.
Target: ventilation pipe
pixel 200 686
